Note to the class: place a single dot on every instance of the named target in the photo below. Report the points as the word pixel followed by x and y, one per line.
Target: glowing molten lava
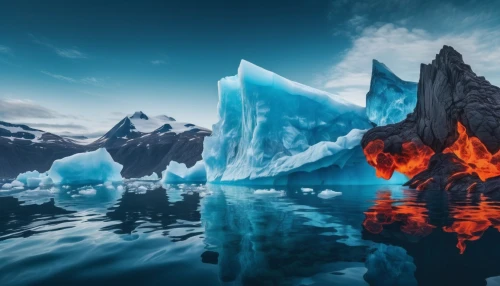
pixel 411 214
pixel 477 159
pixel 412 160
pixel 471 221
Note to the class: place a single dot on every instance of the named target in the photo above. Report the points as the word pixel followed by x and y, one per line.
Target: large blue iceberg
pixel 86 168
pixel 275 131
pixel 390 98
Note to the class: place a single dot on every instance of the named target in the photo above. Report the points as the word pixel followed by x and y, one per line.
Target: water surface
pixel 229 235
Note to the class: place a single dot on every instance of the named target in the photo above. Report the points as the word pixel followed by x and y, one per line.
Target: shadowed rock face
pixel 140 152
pixel 449 92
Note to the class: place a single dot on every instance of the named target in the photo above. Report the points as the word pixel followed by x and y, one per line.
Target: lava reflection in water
pixel 470 217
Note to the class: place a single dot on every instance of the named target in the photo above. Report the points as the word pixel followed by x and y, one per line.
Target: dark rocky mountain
pixel 140 143
pixel 452 139
pixel 23 149
pixel 145 144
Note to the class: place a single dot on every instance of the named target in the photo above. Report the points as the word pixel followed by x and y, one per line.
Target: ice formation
pixel 87 191
pixel 33 179
pixel 152 177
pixel 270 192
pixel 271 129
pixel 14 184
pixel 179 173
pixel 86 168
pixel 390 99
pixel 328 194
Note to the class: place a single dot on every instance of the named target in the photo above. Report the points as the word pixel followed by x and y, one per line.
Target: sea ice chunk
pixel 87 191
pixel 34 179
pixel 86 168
pixel 328 194
pixel 390 99
pixel 152 177
pixel 270 192
pixel 23 177
pixel 271 129
pixel 16 183
pixel 179 173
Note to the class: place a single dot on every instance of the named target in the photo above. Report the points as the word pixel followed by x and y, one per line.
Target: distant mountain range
pixel 140 143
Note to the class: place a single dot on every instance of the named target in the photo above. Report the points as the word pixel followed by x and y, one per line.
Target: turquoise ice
pixel 86 168
pixel 390 98
pixel 275 131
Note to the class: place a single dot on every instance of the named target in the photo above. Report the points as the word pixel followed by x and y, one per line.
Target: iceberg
pixel 86 168
pixel 34 179
pixel 179 173
pixel 271 129
pixel 390 98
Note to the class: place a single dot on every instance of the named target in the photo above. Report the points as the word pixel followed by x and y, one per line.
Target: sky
pixel 81 66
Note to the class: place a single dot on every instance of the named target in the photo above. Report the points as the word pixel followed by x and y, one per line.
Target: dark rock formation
pixel 145 144
pixel 25 149
pixel 449 92
pixel 142 149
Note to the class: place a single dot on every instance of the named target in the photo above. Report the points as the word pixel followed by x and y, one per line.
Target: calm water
pixel 227 235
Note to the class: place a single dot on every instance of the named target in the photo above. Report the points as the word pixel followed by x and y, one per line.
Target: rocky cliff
pixel 452 138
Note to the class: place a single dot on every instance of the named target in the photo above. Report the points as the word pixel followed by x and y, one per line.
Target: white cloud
pixel 21 109
pixel 85 80
pixel 60 77
pixel 91 80
pixel 403 50
pixel 70 53
pixel 158 62
pixel 4 50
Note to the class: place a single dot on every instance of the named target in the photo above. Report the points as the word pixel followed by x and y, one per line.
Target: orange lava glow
pixel 412 160
pixel 471 221
pixel 475 156
pixel 412 215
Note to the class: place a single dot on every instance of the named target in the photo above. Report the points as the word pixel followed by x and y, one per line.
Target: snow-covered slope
pixel 140 125
pixel 22 132
pixel 144 144
pixel 271 128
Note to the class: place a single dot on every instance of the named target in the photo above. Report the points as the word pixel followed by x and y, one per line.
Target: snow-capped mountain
pixel 23 148
pixel 142 144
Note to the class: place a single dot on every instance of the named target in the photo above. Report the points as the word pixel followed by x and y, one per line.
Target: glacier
pixel 179 173
pixel 390 99
pixel 86 168
pixel 274 131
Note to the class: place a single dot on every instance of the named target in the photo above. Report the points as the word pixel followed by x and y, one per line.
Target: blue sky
pixel 80 66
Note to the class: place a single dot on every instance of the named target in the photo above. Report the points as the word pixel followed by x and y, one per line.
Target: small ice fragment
pixel 87 192
pixel 328 194
pixel 272 192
